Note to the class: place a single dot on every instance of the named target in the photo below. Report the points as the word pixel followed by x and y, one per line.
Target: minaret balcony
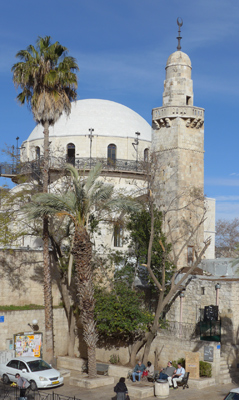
pixel 177 111
pixel 193 116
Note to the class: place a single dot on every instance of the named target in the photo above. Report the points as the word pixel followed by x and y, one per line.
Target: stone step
pixel 140 392
pixel 74 363
pixel 224 372
pixel 91 383
pixel 201 383
pixel 224 369
pixel 225 381
pixel 65 372
pixel 223 363
pixel 225 377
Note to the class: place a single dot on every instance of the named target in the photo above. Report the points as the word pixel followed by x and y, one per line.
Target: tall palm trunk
pixel 49 351
pixel 82 252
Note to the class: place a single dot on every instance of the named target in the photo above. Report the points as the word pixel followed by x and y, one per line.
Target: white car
pixel 233 395
pixel 35 370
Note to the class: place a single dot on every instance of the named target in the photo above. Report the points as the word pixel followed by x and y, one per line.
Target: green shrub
pixel 114 359
pixel 205 369
pixel 181 361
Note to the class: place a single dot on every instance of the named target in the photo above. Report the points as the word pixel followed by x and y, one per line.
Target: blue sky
pixel 122 47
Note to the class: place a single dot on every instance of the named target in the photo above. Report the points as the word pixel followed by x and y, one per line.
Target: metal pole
pixel 91 137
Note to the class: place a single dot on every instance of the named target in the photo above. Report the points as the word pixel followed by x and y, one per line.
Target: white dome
pixel 107 118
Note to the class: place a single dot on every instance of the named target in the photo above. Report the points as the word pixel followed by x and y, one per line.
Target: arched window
pixel 146 155
pixel 111 156
pixel 71 152
pixel 38 152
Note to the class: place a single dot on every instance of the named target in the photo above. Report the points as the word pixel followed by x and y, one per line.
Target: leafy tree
pixel 47 78
pixel 88 197
pixel 139 227
pixel 116 316
pixel 120 312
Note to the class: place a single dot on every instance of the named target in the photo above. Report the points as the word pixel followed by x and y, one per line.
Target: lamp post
pixel 91 137
pixel 136 147
pixel 217 287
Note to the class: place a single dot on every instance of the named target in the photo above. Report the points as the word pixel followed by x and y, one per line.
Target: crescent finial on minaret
pixel 180 23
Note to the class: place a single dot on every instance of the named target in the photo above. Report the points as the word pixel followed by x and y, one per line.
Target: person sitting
pixel 149 371
pixel 167 372
pixel 121 389
pixel 138 371
pixel 177 376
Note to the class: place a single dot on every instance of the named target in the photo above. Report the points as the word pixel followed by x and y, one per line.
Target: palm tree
pixel 89 198
pixel 47 78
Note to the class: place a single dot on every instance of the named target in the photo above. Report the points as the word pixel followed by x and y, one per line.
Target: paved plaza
pixel 107 392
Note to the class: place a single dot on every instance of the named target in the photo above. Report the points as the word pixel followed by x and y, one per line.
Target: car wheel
pixel 5 379
pixel 33 385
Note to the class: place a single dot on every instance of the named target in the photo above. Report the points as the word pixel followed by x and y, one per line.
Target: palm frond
pixel 123 204
pixel 93 175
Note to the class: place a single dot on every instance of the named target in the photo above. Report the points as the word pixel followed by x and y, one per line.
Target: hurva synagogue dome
pixel 105 131
pixel 95 129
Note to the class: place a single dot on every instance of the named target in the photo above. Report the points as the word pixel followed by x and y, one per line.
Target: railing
pixel 180 330
pixel 175 111
pixel 80 163
pixel 12 393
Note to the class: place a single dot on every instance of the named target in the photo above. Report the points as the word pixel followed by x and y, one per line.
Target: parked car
pixel 35 370
pixel 233 395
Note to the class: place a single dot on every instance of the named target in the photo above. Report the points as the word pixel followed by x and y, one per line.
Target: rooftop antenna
pixel 180 23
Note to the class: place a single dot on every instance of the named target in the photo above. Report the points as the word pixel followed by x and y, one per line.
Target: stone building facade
pixel 110 133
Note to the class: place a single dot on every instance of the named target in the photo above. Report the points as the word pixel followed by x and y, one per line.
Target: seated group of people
pixel 172 375
pixel 141 371
pixel 169 373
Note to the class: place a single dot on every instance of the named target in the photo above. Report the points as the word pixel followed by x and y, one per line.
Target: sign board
pixel 2 318
pixel 192 364
pixel 208 353
pixel 28 344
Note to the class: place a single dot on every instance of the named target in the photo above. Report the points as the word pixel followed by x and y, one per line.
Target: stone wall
pixel 172 348
pixel 21 278
pixel 200 293
pixel 17 321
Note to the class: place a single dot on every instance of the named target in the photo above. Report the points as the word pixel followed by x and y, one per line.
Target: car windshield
pixel 232 396
pixel 38 365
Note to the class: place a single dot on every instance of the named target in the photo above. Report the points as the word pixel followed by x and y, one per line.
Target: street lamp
pixel 217 287
pixel 136 147
pixel 34 326
pixel 91 137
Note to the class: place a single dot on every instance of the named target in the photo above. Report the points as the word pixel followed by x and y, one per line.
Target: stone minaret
pixel 178 142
